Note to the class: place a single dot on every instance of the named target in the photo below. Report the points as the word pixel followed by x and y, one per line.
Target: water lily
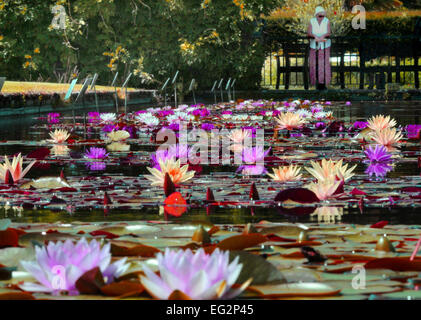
pixel 286 173
pixel 15 168
pixel 413 131
pixel 60 150
pixel 324 190
pixel 252 170
pixel 379 169
pixel 118 135
pixel 198 275
pixel 329 170
pixel 290 121
pixel 59 136
pixel 148 118
pixel 380 122
pixel 96 166
pixel 328 214
pixel 378 154
pixel 118 147
pixel 96 153
pixel 108 117
pixel 59 265
pixel 177 174
pixel 255 154
pixel 387 137
pixel 239 135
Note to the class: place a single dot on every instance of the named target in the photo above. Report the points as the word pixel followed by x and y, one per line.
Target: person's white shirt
pixel 319 30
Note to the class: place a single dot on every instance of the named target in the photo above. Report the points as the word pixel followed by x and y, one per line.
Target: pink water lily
pixel 15 168
pixel 199 275
pixel 59 265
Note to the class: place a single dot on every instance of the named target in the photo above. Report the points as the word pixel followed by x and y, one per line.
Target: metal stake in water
pixel 213 89
pixel 174 82
pixel 191 88
pixel 220 87
pixel 125 92
pixel 233 89
pixel 164 88
pixel 84 125
pixel 93 86
pixel 227 88
pixel 81 95
pixel 113 84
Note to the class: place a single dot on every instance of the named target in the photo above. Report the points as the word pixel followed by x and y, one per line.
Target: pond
pixel 122 173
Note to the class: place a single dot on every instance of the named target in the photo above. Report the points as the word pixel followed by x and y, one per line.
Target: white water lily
pixel 148 118
pixel 118 135
pixel 198 275
pixel 59 136
pixel 108 117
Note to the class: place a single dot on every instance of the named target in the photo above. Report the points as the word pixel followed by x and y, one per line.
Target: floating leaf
pixel 90 282
pixel 242 241
pixel 137 250
pixel 257 268
pixel 122 288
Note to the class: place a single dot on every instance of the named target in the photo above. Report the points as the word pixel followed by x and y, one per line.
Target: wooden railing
pixel 399 58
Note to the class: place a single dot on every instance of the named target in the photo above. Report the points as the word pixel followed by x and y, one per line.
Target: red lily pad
pixel 300 195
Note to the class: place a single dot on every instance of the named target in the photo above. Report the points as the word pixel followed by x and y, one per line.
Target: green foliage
pixel 154 38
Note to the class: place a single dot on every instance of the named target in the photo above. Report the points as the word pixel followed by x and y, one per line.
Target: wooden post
pixel 287 70
pixel 278 72
pixel 342 67
pixel 306 68
pixel 416 73
pixel 362 65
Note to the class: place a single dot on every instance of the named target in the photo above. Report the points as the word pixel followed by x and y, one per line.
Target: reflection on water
pixel 19 128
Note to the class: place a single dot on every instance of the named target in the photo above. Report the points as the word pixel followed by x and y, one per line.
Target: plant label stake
pixel 213 89
pixel 115 92
pixel 227 89
pixel 164 88
pixel 2 81
pixel 81 95
pixel 191 88
pixel 93 86
pixel 174 82
pixel 125 91
pixel 220 87
pixel 233 89
pixel 70 90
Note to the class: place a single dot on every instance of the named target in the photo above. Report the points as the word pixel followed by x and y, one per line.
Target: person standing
pixel 319 33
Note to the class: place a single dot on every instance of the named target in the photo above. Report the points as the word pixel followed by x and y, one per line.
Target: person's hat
pixel 318 10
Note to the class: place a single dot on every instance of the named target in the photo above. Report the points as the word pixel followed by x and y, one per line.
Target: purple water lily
pixel 360 125
pixel 59 265
pixel 208 126
pixel 378 154
pixel 53 118
pixel 379 169
pixel 109 128
pixel 93 117
pixel 252 170
pixel 320 125
pixel 255 154
pixel 96 153
pixel 96 166
pixel 413 131
pixel 176 151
